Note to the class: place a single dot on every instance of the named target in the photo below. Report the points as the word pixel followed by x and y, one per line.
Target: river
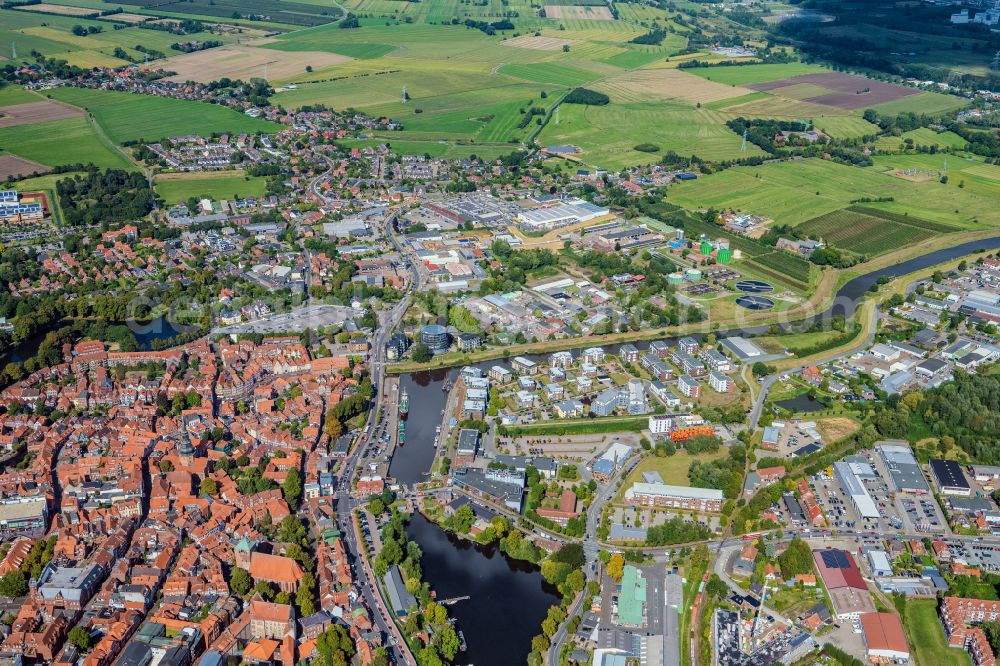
pixel 849 295
pixel 508 598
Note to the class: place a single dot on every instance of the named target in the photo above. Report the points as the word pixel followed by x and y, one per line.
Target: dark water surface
pixel 509 598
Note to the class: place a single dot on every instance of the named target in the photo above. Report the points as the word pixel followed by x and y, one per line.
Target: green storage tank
pixel 692 274
pixel 706 247
pixel 725 255
pixel 675 278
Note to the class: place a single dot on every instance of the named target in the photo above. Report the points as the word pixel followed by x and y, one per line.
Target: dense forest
pixel 105 197
pixel 964 412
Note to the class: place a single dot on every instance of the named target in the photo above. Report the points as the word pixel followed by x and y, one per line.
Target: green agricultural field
pixel 549 72
pixel 463 100
pixel 924 102
pixel 723 104
pixel 52 36
pixel 126 117
pixel 11 95
pixel 46 182
pixel 870 231
pixel 361 51
pixel 58 142
pixel 796 191
pixel 746 74
pixel 923 136
pixel 638 55
pixel 609 134
pixel 784 267
pixel 967 176
pixel 845 127
pixel 414 42
pixel 174 187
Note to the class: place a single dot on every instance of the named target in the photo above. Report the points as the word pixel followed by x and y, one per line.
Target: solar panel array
pixel 835 559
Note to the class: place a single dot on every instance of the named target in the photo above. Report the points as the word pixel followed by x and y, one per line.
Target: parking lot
pixel 921 514
pixel 312 316
pixel 897 512
pixel 797 434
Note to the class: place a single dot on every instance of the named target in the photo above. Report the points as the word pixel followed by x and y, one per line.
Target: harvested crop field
pixel 245 62
pixel 844 91
pixel 539 43
pixel 650 85
pixel 578 13
pixel 130 18
pixel 36 112
pixel 65 10
pixel 12 165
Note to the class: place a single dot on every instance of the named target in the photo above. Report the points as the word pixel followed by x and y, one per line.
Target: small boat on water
pixel 404 404
pixel 402 432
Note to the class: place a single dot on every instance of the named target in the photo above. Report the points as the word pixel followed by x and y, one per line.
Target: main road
pixel 346 502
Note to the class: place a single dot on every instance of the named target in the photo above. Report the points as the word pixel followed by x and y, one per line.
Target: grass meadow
pixel 800 190
pixel 125 117
pixel 609 134
pixel 12 95
pixel 174 187
pixel 58 142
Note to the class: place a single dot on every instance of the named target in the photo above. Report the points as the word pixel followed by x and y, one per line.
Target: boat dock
pixel 390 390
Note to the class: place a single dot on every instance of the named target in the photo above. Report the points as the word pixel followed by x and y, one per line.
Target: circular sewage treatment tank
pixel 754 287
pixel 754 303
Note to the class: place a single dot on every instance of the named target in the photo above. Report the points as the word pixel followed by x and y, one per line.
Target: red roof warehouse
pixel 843 580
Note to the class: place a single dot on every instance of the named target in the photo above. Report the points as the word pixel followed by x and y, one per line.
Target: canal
pixel 508 598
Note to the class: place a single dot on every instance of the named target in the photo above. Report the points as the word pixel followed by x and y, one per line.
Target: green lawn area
pixel 126 117
pixel 744 74
pixel 775 344
pixel 672 469
pixel 582 426
pixel 925 636
pixel 58 142
pixel 794 600
pixel 447 101
pixel 176 187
